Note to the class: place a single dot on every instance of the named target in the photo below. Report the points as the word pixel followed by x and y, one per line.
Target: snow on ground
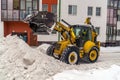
pixel 18 61
pixel 113 73
pixel 110 49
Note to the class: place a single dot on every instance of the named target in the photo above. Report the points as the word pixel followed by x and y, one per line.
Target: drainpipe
pixel 59 15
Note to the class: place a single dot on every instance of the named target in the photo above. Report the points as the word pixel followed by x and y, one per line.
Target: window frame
pixel 118 32
pixel 46 5
pixel 25 5
pixel 55 5
pixel 18 5
pixel 98 11
pixel 73 8
pixel 37 5
pixel 4 4
pixel 97 29
pixel 91 11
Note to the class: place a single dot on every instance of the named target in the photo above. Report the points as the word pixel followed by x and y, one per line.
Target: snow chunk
pixel 43 48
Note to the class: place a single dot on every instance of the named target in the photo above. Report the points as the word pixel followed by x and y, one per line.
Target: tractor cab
pixel 83 33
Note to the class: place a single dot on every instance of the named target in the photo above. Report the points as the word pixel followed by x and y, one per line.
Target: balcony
pixel 15 15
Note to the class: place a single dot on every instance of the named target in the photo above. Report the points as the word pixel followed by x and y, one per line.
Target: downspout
pixel 59 16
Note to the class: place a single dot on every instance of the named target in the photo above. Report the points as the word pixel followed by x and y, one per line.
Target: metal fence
pixel 15 15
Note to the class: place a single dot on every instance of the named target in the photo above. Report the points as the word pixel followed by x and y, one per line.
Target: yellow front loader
pixel 78 42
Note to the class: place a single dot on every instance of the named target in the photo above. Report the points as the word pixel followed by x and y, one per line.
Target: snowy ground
pixel 18 61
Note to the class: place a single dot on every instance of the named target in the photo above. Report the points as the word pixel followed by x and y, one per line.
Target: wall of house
pixel 15 25
pixel 20 28
pixel 1 24
pixel 82 5
pixel 49 2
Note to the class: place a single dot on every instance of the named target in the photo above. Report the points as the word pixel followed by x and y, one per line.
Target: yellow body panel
pixel 81 53
pixel 63 46
pixel 88 45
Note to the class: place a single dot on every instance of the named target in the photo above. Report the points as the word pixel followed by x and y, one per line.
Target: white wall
pixel 82 5
pixel 47 38
pixel 1 24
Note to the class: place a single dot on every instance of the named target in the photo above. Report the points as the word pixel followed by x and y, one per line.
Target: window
pixel 118 32
pixel 22 5
pixel 16 4
pixel 72 10
pixel 44 7
pixel 98 11
pixel 54 8
pixel 4 4
pixel 118 15
pixel 97 29
pixel 28 7
pixel 35 3
pixel 90 11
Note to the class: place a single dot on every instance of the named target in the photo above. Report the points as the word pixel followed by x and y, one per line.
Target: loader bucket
pixel 42 21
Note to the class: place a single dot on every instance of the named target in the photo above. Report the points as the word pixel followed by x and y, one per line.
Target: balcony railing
pixel 15 15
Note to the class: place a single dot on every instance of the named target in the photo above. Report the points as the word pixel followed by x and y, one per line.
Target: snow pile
pixel 112 73
pixel 12 52
pixel 18 61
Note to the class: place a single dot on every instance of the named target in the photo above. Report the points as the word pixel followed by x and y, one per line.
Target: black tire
pixel 50 50
pixel 70 55
pixel 92 56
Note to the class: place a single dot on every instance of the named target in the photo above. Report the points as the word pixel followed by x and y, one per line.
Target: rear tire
pixel 70 55
pixel 50 50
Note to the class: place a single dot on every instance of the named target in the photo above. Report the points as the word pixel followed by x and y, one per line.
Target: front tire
pixel 92 56
pixel 70 55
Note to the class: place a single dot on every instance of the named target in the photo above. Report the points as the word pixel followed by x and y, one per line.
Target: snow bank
pixel 18 61
pixel 112 73
pixel 12 52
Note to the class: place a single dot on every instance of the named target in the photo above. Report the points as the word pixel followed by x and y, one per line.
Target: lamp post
pixel 59 15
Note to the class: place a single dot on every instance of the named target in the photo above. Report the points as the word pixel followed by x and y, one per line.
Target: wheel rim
pixel 72 58
pixel 93 55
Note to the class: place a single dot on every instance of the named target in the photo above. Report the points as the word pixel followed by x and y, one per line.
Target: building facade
pixel 14 11
pixel 50 6
pixel 76 11
pixel 105 16
pixel 1 24
pixel 113 22
pixel 12 14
